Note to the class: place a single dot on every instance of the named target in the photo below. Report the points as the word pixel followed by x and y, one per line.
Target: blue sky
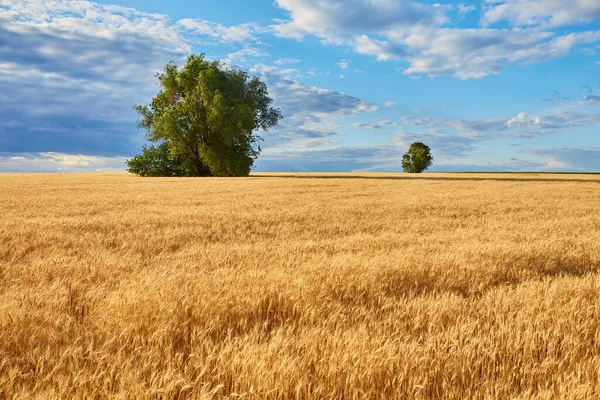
pixel 490 85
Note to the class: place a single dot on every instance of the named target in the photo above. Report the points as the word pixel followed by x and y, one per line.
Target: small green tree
pixel 208 116
pixel 417 159
pixel 156 161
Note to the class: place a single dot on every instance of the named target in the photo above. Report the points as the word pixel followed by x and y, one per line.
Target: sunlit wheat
pixel 380 286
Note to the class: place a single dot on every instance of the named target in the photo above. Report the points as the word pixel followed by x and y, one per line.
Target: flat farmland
pixel 378 286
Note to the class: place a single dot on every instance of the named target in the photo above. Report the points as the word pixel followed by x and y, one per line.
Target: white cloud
pixel 343 64
pixel 463 9
pixel 337 21
pixel 420 34
pixel 222 34
pixel 289 73
pixel 288 30
pixel 389 104
pixel 475 53
pixel 382 49
pixel 524 120
pixel 542 12
pixel 72 18
pixel 244 54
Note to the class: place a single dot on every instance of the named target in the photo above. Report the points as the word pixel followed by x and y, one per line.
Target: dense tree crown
pixel 206 117
pixel 417 159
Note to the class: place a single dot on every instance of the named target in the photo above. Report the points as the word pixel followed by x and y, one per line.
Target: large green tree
pixel 208 116
pixel 417 159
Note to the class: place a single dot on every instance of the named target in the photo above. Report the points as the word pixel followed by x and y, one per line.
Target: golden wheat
pixel 457 286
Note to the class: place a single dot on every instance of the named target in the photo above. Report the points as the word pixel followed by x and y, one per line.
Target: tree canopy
pixel 417 159
pixel 206 117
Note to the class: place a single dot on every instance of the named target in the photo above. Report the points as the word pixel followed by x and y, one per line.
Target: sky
pixel 489 85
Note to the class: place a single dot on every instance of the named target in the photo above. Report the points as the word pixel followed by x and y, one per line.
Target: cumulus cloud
pixel 336 21
pixel 420 33
pixel 522 119
pixel 381 49
pixel 287 30
pixel 525 125
pixel 541 12
pixel 88 18
pixel 475 53
pixel 221 33
pixel 243 55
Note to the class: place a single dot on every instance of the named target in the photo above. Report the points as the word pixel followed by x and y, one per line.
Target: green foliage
pixel 156 161
pixel 208 115
pixel 417 159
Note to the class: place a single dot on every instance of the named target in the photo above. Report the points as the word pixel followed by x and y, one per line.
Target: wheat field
pixel 347 286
